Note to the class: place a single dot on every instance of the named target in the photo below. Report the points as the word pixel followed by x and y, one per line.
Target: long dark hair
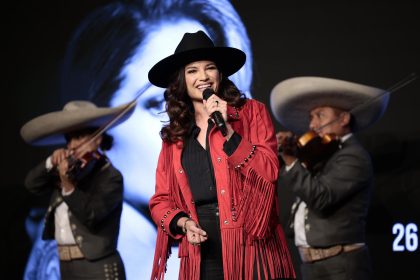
pixel 180 109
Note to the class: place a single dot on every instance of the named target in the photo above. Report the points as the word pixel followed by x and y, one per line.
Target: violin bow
pixel 400 84
pixel 118 116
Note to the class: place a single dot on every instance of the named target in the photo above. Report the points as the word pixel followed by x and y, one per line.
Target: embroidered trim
pixel 162 221
pixel 250 155
pixel 236 116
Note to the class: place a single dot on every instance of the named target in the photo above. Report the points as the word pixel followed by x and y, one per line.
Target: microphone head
pixel 207 93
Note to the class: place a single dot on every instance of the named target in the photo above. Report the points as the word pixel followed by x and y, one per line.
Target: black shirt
pixel 198 167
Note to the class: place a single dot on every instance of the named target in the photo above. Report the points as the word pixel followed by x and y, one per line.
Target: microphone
pixel 216 115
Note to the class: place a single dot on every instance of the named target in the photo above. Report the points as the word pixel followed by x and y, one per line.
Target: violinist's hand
pixel 286 145
pixel 66 184
pixel 281 138
pixel 195 235
pixel 59 160
pixel 58 156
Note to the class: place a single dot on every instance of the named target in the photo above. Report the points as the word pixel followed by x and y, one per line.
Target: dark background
pixel 369 42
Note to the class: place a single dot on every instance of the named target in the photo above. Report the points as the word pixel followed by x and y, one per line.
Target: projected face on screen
pixel 112 69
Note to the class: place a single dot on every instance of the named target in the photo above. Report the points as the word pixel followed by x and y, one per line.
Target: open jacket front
pixel 246 192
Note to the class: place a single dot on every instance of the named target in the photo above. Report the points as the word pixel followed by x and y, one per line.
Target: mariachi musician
pixel 86 189
pixel 329 216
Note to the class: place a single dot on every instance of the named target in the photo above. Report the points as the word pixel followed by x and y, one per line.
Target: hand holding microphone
pixel 216 115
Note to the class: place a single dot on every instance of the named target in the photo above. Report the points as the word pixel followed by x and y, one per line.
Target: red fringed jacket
pixel 246 193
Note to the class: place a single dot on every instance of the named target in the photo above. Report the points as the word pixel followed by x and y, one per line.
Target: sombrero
pixel 49 129
pixel 194 47
pixel 291 101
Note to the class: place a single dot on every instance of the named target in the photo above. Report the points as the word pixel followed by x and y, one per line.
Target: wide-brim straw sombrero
pixel 195 47
pixel 293 99
pixel 49 129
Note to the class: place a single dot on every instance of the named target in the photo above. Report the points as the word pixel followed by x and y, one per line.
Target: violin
pixel 310 148
pixel 314 149
pixel 80 166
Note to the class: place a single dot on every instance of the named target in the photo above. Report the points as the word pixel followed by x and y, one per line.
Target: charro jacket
pixel 94 207
pixel 337 196
pixel 246 193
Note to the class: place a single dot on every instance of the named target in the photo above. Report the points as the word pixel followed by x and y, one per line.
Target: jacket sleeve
pixel 258 150
pixel 345 174
pixel 255 162
pixel 162 208
pixel 39 180
pixel 105 196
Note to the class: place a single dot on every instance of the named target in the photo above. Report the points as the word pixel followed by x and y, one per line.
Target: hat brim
pixel 49 129
pixel 229 61
pixel 293 99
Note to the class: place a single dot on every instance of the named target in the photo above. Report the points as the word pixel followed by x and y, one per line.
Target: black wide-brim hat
pixel 195 47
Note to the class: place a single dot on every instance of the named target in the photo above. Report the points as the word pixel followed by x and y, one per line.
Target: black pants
pixel 351 265
pixel 211 267
pixel 110 267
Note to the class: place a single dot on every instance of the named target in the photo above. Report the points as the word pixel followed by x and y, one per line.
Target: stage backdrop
pixel 371 42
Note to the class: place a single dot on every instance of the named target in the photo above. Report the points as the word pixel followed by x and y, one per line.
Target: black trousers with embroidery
pixel 107 268
pixel 351 265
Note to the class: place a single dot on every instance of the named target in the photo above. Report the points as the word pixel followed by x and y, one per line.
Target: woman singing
pixel 216 174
